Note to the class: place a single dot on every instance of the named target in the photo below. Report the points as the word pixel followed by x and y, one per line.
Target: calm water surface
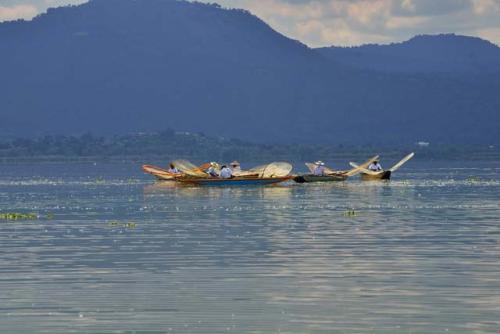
pixel 112 252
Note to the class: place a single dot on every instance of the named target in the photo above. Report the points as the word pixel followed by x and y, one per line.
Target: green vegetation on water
pixel 350 213
pixel 18 216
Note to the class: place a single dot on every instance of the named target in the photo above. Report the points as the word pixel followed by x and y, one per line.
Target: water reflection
pixel 279 191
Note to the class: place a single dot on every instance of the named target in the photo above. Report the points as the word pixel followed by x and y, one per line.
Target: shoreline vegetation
pixel 169 144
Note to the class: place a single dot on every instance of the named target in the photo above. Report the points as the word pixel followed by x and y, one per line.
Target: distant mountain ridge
pixel 119 66
pixel 445 53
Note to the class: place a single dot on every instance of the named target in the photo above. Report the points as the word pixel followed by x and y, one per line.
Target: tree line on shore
pixel 197 146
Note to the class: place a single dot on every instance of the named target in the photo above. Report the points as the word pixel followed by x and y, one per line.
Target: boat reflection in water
pixel 279 191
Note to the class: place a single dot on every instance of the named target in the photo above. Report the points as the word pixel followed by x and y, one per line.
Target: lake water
pixel 112 252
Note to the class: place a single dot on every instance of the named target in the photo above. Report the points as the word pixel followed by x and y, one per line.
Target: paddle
pixel 402 162
pixel 364 170
pixel 357 170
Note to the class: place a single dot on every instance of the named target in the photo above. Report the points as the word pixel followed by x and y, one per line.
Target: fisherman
pixel 172 169
pixel 211 170
pixel 375 166
pixel 235 167
pixel 225 172
pixel 319 170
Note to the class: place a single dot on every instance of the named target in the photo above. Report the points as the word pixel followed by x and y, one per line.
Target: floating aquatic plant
pixel 126 225
pixel 18 216
pixel 473 179
pixel 350 213
pixel 99 180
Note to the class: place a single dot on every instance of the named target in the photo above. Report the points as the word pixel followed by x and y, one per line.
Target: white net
pixel 277 169
pixel 258 170
pixel 328 171
pixel 188 168
pixel 245 173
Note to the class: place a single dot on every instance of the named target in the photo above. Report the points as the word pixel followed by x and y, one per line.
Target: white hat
pixel 319 163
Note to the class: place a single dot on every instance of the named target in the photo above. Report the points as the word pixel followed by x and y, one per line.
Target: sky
pixel 341 22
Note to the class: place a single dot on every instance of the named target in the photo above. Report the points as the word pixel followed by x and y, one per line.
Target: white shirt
pixel 226 173
pixel 211 171
pixel 319 171
pixel 375 167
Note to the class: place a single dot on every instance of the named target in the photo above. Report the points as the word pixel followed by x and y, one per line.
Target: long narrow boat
pixel 369 175
pixel 235 181
pixel 331 175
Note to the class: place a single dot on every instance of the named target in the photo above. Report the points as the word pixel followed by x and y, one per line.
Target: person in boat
pixel 172 169
pixel 226 172
pixel 375 166
pixel 235 167
pixel 319 170
pixel 211 170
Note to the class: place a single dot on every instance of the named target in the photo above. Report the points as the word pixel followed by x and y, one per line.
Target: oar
pixel 402 162
pixel 364 170
pixel 359 169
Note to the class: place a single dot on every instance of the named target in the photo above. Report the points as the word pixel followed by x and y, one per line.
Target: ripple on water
pixel 112 253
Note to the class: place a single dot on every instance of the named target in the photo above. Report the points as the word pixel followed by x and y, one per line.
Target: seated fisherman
pixel 319 170
pixel 225 172
pixel 211 170
pixel 375 166
pixel 235 167
pixel 172 169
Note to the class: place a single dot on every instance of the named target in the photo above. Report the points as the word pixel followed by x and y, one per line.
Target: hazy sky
pixel 342 22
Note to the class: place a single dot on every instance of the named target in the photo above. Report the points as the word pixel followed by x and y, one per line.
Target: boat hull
pixel 309 178
pixel 237 181
pixel 385 175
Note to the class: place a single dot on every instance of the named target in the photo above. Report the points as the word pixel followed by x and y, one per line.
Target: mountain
pixel 445 53
pixel 119 66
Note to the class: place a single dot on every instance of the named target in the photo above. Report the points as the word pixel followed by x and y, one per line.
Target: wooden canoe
pixel 235 181
pixel 369 175
pixel 308 178
pixel 382 175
